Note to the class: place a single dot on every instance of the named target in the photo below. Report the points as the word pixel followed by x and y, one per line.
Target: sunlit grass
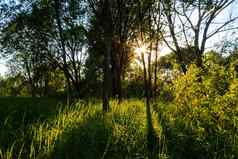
pixel 83 131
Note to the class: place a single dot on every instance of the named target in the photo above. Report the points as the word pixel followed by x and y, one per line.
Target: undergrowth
pixel 83 131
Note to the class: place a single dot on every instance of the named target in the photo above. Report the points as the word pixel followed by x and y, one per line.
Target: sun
pixel 141 49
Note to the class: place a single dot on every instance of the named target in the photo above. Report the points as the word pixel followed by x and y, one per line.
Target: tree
pixel 124 22
pixel 71 36
pixel 197 23
pixel 103 14
pixel 148 39
pixel 24 39
pixel 51 33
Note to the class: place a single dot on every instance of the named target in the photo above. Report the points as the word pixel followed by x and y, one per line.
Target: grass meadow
pixel 44 128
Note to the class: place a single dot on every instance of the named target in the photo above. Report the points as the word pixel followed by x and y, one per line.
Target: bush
pixel 201 122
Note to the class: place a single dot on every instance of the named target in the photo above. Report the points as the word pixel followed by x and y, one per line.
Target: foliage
pixel 86 49
pixel 201 120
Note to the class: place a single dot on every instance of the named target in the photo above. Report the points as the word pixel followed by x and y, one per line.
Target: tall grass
pixel 82 131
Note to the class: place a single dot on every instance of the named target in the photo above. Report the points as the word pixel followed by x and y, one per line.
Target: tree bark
pixel 155 69
pixel 150 130
pixel 108 32
pixel 31 81
pixel 106 78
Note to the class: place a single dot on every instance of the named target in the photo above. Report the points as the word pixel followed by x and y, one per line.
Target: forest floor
pixel 44 128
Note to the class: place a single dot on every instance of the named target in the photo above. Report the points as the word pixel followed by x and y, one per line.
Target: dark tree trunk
pixel 155 69
pixel 149 74
pixel 116 62
pixel 108 32
pixel 120 72
pixel 119 86
pixel 68 91
pixel 199 64
pixel 46 86
pixel 116 84
pixel 151 139
pixel 183 67
pixel 31 81
pixel 106 78
pixel 114 73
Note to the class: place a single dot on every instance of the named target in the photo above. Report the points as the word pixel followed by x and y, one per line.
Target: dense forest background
pixel 119 79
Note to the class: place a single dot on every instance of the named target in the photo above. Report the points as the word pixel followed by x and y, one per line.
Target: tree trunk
pixel 151 140
pixel 31 81
pixel 119 86
pixel 199 61
pixel 116 62
pixel 114 74
pixel 107 28
pixel 106 80
pixel 68 91
pixel 155 69
pixel 120 70
pixel 150 74
pixel 199 64
pixel 62 42
pixel 183 67
pixel 46 84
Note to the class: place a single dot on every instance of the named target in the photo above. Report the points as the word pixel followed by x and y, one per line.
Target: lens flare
pixel 141 49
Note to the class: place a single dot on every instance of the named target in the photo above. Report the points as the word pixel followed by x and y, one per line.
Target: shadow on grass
pixel 18 113
pixel 87 141
pixel 152 139
pixel 101 136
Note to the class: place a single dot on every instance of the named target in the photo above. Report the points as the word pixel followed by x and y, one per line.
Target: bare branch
pixel 220 29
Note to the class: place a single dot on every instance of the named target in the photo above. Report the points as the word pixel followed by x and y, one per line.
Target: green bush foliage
pixel 201 122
